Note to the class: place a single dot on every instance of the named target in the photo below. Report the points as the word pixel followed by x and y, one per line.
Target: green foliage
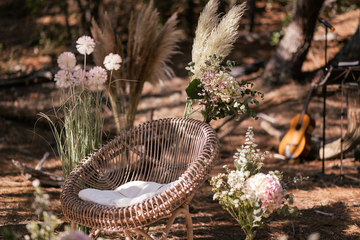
pixel 193 89
pixel 35 5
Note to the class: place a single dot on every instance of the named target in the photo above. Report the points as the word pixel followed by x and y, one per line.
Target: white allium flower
pixel 67 61
pixel 63 78
pixel 97 75
pixel 112 61
pixel 80 76
pixel 85 45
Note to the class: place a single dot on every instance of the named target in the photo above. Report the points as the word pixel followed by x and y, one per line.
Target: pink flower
pixel 85 45
pixel 67 61
pixel 268 189
pixel 75 235
pixel 97 75
pixel 112 61
pixel 63 79
pixel 80 77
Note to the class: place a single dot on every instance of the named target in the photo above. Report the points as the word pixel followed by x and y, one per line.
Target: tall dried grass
pixel 215 35
pixel 146 58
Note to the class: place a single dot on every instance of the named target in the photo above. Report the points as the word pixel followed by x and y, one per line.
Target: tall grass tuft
pixel 78 123
pixel 78 128
pixel 148 51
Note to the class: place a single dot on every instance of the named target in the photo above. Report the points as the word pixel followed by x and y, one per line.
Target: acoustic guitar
pixel 297 141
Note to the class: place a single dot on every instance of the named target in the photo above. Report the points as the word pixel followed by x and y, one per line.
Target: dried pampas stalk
pixel 105 44
pixel 208 21
pixel 149 50
pixel 214 37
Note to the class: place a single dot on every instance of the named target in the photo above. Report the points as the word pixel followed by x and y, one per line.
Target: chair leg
pixel 94 233
pixel 144 234
pixel 127 235
pixel 73 225
pixel 189 226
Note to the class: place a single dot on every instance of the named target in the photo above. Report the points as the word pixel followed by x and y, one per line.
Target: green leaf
pixel 193 89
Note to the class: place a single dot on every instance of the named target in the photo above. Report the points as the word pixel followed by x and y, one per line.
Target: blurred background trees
pixel 48 26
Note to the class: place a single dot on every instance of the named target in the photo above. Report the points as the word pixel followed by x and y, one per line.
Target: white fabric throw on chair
pixel 126 195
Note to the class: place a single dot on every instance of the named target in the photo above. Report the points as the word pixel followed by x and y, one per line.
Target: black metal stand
pixel 324 105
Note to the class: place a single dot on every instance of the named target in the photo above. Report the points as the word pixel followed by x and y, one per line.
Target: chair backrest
pixel 178 150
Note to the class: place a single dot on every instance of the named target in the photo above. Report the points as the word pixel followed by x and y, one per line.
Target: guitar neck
pixel 305 106
pixel 315 81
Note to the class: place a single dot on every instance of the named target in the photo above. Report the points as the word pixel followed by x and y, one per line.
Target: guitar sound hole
pixel 298 126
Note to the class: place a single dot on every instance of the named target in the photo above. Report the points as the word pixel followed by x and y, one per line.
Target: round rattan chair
pixel 175 150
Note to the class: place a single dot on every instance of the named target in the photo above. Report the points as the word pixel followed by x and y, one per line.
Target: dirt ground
pixel 329 203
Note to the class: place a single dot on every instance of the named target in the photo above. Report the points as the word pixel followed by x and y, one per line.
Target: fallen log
pixel 46 179
pixel 33 77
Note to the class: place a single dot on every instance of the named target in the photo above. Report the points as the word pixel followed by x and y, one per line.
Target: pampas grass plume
pixel 214 35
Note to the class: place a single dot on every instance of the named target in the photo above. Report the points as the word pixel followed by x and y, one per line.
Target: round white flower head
pixel 97 75
pixel 80 76
pixel 85 45
pixel 63 78
pixel 112 61
pixel 67 61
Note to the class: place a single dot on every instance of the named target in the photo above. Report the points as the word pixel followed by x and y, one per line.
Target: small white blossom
pixel 85 45
pixel 66 61
pixel 112 61
pixel 36 183
pixel 97 75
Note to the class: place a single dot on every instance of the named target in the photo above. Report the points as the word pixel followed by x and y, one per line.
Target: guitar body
pixel 297 141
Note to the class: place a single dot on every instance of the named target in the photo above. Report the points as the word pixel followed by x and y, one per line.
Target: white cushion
pixel 126 195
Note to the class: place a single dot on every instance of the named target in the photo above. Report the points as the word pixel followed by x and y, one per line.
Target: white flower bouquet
pixel 249 195
pixel 78 128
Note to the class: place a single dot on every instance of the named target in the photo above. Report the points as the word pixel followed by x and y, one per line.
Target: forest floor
pixel 329 201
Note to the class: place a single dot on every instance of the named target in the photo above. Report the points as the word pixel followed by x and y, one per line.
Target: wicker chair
pixel 178 151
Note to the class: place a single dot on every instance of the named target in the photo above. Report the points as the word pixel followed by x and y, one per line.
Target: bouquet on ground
pixel 248 194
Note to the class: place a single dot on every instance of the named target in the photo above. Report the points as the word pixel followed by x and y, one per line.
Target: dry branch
pixel 44 73
pixel 285 94
pixel 45 178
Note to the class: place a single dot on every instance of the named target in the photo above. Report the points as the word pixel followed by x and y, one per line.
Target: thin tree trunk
pixel 286 62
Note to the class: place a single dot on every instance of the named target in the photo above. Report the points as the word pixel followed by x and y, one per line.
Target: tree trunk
pixel 291 52
pixel 351 50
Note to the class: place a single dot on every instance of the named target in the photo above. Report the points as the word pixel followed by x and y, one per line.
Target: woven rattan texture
pixel 177 150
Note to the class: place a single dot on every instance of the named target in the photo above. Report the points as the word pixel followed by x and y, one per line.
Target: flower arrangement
pixel 219 92
pixel 249 195
pixel 78 128
pixel 211 84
